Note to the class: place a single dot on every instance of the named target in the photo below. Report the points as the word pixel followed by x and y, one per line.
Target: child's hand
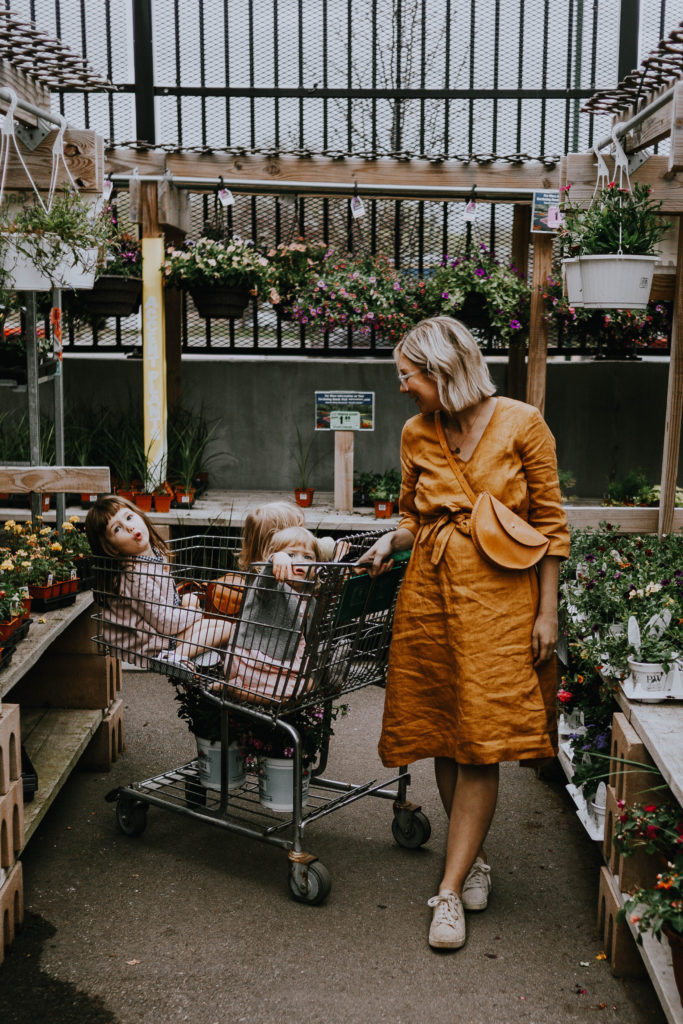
pixel 282 566
pixel 190 601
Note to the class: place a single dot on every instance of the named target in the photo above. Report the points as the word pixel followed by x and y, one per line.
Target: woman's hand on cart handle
pixel 377 559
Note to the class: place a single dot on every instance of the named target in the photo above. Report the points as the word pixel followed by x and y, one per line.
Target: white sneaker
pixel 447 930
pixel 475 891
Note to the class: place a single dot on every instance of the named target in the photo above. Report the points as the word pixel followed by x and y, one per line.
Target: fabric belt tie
pixel 441 530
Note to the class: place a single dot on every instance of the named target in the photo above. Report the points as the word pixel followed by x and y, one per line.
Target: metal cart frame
pixel 346 649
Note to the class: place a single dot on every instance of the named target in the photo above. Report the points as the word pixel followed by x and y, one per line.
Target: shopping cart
pixel 346 616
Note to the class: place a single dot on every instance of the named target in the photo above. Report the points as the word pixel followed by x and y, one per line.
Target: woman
pixel 471 678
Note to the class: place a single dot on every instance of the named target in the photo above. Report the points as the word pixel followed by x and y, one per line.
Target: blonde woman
pixel 471 679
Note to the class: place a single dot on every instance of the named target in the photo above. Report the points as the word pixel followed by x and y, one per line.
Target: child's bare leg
pixel 204 634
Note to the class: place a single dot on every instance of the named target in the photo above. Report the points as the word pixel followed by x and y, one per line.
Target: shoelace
pixel 477 869
pixel 446 901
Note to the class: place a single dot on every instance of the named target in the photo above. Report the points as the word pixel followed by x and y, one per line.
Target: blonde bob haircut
pixel 293 535
pixel 445 350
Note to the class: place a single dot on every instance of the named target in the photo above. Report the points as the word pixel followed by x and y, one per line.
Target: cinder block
pixel 635 870
pixel 107 743
pixel 114 676
pixel 11 907
pixel 628 781
pixel 618 942
pixel 11 824
pixel 10 746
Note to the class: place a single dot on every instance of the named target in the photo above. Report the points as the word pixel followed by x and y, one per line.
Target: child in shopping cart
pixel 145 619
pixel 264 661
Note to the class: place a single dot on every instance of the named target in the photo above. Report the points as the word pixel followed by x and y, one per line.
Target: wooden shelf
pixel 40 636
pixel 660 727
pixel 54 740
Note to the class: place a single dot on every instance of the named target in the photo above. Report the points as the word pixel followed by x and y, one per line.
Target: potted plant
pixel 77 550
pixel 385 492
pixel 203 719
pixel 609 247
pixel 220 275
pixel 655 828
pixel 303 494
pixel 117 290
pixel 487 295
pixel 188 437
pixel 290 266
pixel 660 911
pixel 43 248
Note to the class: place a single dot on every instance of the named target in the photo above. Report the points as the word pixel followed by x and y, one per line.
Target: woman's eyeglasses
pixel 403 377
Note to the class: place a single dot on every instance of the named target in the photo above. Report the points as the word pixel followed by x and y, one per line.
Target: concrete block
pixel 618 942
pixel 628 781
pixel 11 824
pixel 107 743
pixel 113 668
pixel 10 746
pixel 11 907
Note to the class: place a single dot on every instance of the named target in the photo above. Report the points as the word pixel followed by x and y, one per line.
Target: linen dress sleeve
pixel 545 501
pixel 410 519
pixel 151 589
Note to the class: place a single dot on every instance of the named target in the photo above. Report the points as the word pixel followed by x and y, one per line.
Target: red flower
pixel 650 808
pixel 564 696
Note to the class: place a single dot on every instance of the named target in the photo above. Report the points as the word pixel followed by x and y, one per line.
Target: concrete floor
pixel 188 923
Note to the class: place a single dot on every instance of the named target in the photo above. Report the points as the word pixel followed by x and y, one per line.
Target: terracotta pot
pixel 162 502
pixel 183 498
pixel 124 493
pixel 676 944
pixel 143 501
pixel 304 496
pixel 383 509
pixel 8 627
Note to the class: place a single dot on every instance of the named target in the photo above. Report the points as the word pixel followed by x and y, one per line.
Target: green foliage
pixel 631 489
pixel 387 487
pixel 290 266
pixel 660 909
pixel 232 263
pixel 121 253
pixel 188 436
pixel 567 482
pixel 616 219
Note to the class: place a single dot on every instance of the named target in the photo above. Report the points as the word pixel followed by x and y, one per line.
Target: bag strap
pixel 451 461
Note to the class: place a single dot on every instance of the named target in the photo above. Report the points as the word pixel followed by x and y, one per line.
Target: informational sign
pixel 546 217
pixel 345 410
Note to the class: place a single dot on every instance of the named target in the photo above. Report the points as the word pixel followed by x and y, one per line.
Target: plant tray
pixel 20 633
pixel 48 604
pixel 6 656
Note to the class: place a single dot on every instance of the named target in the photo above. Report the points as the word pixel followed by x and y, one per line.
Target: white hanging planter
pixel 609 281
pixel 22 258
pixel 209 764
pixel 276 783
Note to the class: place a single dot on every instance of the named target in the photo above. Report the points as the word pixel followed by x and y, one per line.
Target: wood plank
pixel 343 470
pixel 629 520
pixel 83 152
pixel 174 207
pixel 580 169
pixel 448 174
pixel 54 741
pixel 27 89
pixel 674 405
pixel 538 326
pixel 654 128
pixel 55 479
pixel 659 727
pixel 676 145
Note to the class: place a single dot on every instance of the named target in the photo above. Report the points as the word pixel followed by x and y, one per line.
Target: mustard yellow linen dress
pixel 461 681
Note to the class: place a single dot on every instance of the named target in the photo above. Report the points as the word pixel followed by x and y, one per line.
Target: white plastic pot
pixel 648 681
pixel 23 273
pixel 209 764
pixel 609 281
pixel 276 783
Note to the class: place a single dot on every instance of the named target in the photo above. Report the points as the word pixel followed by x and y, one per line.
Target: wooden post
pixel 538 328
pixel 343 470
pixel 674 404
pixel 521 228
pixel 153 342
pixel 173 333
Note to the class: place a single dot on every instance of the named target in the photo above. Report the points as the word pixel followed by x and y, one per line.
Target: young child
pixel 144 617
pixel 269 642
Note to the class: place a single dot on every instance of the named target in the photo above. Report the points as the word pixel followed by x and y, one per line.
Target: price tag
pixel 471 211
pixel 226 197
pixel 344 420
pixel 554 217
pixel 107 188
pixel 357 208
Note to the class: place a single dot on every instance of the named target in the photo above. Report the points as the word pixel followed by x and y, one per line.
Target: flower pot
pixel 143 500
pixel 113 295
pixel 218 302
pixel 276 783
pixel 209 764
pixel 474 311
pixel 384 509
pixel 23 275
pixel 609 281
pixel 304 496
pixel 8 627
pixel 648 681
pixel 125 493
pixel 183 498
pixel 88 499
pixel 676 945
pixel 162 502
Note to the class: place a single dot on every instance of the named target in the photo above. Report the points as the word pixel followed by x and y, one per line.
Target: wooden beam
pixel 84 156
pixel 27 89
pixel 319 170
pixel 538 327
pixel 173 207
pixel 579 170
pixel 676 147
pixel 654 128
pixel 674 406
pixel 55 479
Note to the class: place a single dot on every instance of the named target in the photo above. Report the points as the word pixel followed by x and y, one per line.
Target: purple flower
pixel 480 272
pixel 445 295
pixel 515 325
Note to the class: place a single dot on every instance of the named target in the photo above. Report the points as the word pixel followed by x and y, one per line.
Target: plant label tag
pixel 357 208
pixel 50 579
pixel 470 211
pixel 107 189
pixel 633 632
pixel 226 197
pixel 74 574
pixel 554 217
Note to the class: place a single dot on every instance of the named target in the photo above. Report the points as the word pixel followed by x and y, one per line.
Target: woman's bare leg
pixel 473 804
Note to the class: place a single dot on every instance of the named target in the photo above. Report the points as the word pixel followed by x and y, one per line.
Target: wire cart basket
pixel 250 655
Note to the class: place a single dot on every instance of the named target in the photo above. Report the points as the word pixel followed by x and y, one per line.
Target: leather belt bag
pixel 501 537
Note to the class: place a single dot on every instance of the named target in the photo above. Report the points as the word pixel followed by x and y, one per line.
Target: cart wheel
pixel 319 884
pixel 416 835
pixel 131 816
pixel 195 794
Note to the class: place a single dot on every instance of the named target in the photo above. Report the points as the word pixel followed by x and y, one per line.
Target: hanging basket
pixel 609 281
pixel 218 303
pixel 113 295
pixel 21 263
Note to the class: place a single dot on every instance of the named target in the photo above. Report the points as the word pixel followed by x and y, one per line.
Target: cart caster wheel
pixel 131 816
pixel 318 885
pixel 195 794
pixel 417 834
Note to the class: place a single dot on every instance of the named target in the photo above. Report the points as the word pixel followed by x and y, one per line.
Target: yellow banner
pixel 154 356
